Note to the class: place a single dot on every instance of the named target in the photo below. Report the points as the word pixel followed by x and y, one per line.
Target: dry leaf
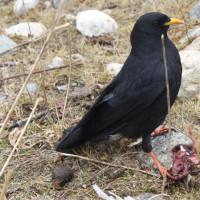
pixel 14 135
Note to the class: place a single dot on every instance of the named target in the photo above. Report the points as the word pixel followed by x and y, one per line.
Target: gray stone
pixel 3 96
pixel 160 147
pixel 149 196
pixel 22 29
pixel 114 68
pixel 191 35
pixel 6 43
pixel 56 3
pixel 22 6
pixel 31 88
pixel 190 59
pixel 195 11
pixel 95 23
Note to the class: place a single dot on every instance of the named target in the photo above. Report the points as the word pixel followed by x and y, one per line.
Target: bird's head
pixel 155 23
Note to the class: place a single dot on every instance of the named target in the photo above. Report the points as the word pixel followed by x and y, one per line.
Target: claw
pixel 161 130
pixel 162 169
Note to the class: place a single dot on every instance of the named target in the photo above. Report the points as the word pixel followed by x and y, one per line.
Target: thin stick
pixel 40 71
pixel 31 71
pixel 23 121
pixel 169 113
pixel 5 185
pixel 35 39
pixel 106 163
pixel 22 133
pixel 69 81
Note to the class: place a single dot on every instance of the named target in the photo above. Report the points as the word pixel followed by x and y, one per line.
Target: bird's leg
pixel 160 167
pixel 146 145
pixel 161 130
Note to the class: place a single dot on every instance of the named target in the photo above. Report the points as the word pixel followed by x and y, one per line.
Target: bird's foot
pixel 160 167
pixel 160 130
pixel 162 171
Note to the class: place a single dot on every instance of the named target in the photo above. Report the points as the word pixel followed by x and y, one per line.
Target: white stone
pixel 21 8
pixel 22 29
pixel 74 84
pixel 192 34
pixel 6 43
pixel 94 23
pixel 194 45
pixel 31 88
pixel 56 62
pixel 77 56
pixel 62 87
pixel 190 84
pixel 47 4
pixel 114 68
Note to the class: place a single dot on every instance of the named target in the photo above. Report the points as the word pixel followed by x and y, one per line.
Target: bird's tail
pixel 72 137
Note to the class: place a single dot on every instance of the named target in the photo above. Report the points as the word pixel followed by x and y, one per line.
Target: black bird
pixel 135 102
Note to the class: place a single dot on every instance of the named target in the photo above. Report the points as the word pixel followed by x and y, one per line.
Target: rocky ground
pixel 96 55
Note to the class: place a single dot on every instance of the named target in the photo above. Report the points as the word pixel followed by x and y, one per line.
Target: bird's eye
pixel 156 23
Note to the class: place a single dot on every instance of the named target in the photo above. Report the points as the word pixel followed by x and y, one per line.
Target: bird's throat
pixel 146 43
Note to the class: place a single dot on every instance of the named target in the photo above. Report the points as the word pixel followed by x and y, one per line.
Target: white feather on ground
pixel 104 196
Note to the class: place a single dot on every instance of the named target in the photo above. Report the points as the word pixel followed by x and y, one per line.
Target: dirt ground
pixel 33 160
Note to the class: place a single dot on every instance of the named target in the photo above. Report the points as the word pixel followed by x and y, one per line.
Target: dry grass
pixel 32 162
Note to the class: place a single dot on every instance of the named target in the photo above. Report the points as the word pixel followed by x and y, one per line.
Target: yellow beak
pixel 174 21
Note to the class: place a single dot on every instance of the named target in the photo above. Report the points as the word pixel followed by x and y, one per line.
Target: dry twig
pixel 106 163
pixel 5 185
pixel 22 133
pixel 169 113
pixel 23 121
pixel 40 71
